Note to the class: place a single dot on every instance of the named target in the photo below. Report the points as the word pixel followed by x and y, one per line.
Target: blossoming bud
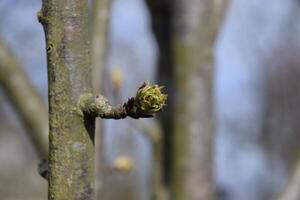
pixel 150 99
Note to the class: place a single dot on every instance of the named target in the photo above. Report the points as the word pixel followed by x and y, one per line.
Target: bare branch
pixel 28 104
pixel 154 132
pixel 100 12
pixel 292 191
pixel 99 26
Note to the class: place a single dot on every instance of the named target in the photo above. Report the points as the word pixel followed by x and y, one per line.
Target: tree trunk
pixel 195 24
pixel 71 135
pixel 186 32
pixel 192 44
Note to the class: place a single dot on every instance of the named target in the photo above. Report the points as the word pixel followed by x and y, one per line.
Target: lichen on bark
pixel 72 106
pixel 71 157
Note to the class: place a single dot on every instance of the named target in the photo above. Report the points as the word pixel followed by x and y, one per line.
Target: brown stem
pixel 149 99
pixel 98 106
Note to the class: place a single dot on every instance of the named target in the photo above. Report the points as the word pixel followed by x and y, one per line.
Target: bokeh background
pixel 256 99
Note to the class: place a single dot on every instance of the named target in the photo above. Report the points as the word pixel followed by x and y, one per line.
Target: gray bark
pixel 71 157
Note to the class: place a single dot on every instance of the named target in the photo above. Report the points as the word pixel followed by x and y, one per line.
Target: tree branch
pixel 291 192
pixel 99 30
pixel 186 31
pixel 154 133
pixel 148 100
pixel 24 98
pixel 72 107
pixel 100 11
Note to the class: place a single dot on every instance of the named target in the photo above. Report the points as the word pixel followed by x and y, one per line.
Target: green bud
pixel 150 99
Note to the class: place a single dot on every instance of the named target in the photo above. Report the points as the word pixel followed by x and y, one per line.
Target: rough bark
pixel 72 106
pixel 71 157
pixel 189 28
pixel 28 104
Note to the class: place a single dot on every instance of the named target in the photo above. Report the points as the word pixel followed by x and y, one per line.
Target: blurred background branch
pixel 100 14
pixel 99 17
pixel 291 191
pixel 26 101
pixel 187 48
pixel 154 133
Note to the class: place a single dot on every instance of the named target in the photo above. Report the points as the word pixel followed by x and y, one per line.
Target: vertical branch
pixel 71 157
pixel 99 49
pixel 186 30
pixel 154 133
pixel 194 28
pixel 99 26
pixel 27 102
pixel 161 16
pixel 193 127
pixel 291 191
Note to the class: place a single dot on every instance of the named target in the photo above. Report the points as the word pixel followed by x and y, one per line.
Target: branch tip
pixel 149 99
